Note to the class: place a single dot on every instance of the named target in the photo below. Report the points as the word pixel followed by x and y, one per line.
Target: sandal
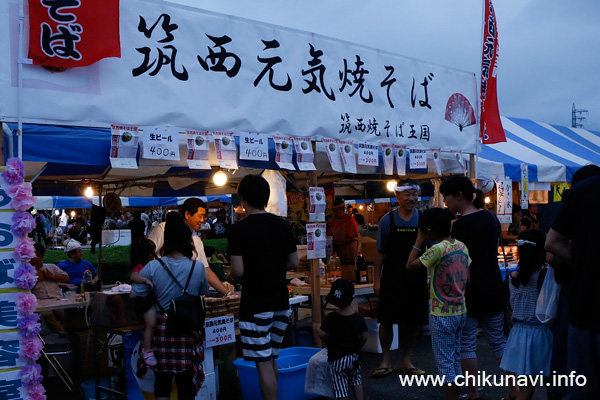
pixel 382 371
pixel 412 371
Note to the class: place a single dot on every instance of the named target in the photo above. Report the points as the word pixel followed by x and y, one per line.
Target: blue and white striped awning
pixel 552 153
pixel 57 202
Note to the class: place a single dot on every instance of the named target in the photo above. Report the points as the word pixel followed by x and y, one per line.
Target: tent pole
pixel 20 84
pixel 315 281
pixel 101 231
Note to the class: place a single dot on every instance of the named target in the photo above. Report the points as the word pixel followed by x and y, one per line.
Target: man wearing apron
pixel 402 293
pixel 344 230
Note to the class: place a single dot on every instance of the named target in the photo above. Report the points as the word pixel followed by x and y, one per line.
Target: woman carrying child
pixel 179 355
pixel 448 261
pixel 345 332
pixel 529 346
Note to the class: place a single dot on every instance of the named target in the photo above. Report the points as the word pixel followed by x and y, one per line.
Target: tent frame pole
pixel 315 281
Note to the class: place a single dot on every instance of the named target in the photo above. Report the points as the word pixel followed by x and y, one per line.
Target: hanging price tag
pixel 161 144
pixel 368 154
pixel 417 158
pixel 254 146
pixel 225 149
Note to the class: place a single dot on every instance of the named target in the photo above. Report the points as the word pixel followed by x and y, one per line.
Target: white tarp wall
pixel 332 84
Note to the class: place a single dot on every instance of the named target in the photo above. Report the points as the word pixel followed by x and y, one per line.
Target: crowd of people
pixel 466 292
pixel 56 231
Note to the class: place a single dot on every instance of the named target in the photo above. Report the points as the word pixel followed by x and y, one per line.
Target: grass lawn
pixel 115 259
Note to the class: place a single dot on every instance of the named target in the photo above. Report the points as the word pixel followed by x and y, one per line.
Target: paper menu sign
pixel 304 154
pixel 254 146
pixel 388 158
pixel 316 240
pixel 318 204
pixel 504 196
pixel 160 144
pixel 219 330
pixel 285 152
pixel 524 184
pixel 198 149
pixel 347 153
pixel 417 158
pixel 123 146
pixel 333 153
pixel 225 149
pixel 368 154
pixel 400 154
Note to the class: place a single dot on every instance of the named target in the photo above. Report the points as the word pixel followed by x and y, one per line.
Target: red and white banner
pixel 490 126
pixel 73 33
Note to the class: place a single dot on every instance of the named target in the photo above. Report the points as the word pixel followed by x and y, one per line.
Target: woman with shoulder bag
pixel 178 355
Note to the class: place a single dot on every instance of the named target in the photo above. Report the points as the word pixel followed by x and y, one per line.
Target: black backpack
pixel 186 312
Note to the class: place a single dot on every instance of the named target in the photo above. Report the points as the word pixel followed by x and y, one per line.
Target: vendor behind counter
pixel 344 229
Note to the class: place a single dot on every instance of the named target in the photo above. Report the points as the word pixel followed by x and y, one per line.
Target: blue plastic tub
pixel 292 364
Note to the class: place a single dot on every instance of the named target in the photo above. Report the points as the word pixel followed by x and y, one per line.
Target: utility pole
pixel 577 118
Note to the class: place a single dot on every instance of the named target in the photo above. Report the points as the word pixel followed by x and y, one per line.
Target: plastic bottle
pixel 86 281
pixel 361 269
pixel 322 273
pixel 335 271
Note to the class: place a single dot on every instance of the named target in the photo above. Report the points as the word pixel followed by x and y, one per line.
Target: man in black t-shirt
pixel 262 247
pixel 574 241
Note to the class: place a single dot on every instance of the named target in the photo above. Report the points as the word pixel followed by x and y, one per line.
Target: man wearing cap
pixel 193 211
pixel 49 275
pixel 75 266
pixel 402 294
pixel 344 230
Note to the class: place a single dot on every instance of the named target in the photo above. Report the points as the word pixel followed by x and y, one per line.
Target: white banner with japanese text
pixel 10 383
pixel 8 308
pixel 194 69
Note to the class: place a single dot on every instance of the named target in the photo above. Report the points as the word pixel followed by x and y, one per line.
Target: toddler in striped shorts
pixel 345 333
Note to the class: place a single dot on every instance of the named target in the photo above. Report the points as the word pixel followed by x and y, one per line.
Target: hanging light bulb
pixel 391 185
pixel 219 178
pixel 360 207
pixel 89 192
pixel 73 214
pixel 487 200
pixel 56 212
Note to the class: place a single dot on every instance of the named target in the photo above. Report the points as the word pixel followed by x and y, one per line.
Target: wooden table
pixel 359 290
pixel 60 303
